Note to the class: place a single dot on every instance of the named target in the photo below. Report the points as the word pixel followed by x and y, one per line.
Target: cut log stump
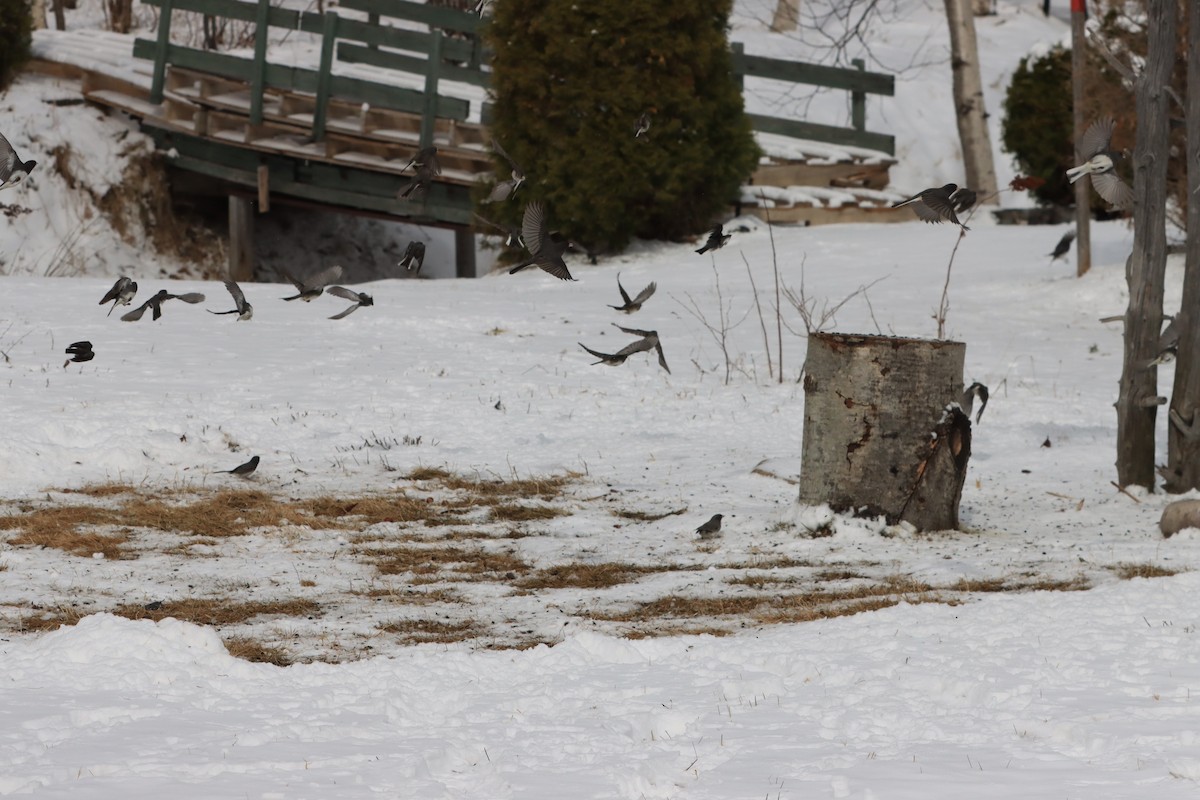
pixel 881 437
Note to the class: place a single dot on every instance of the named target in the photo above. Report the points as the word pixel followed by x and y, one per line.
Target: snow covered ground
pixel 1066 694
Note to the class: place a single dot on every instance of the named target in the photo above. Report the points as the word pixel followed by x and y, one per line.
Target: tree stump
pixel 879 437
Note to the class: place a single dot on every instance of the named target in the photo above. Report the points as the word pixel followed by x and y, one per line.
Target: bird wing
pixel 640 346
pixel 643 295
pixel 1113 189
pixel 936 205
pixel 235 291
pixel 635 331
pixel 114 291
pixel 597 353
pixel 190 297
pixel 621 289
pixel 321 279
pixel 501 191
pixel 8 158
pixel 556 267
pixel 533 227
pixel 342 291
pixel 1096 138
pixel 963 199
pixel 347 312
pixel 504 154
pixel 662 359
pixel 136 314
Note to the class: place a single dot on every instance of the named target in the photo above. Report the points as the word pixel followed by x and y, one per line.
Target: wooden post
pixel 739 69
pixel 858 101
pixel 464 252
pixel 264 188
pixel 258 80
pixel 160 52
pixel 432 68
pixel 1083 189
pixel 241 238
pixel 878 437
pixel 325 74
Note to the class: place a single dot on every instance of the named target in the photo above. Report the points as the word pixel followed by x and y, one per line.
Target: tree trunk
pixel 787 16
pixel 1144 271
pixel 877 436
pixel 37 10
pixel 1083 189
pixel 1183 434
pixel 968 101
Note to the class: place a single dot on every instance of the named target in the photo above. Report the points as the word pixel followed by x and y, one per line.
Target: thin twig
pixel 761 322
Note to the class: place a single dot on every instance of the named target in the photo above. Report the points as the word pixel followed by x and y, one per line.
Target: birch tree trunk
pixel 787 16
pixel 877 437
pixel 37 10
pixel 968 101
pixel 1183 434
pixel 1137 402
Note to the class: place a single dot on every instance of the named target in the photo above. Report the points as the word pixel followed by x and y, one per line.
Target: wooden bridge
pixel 336 128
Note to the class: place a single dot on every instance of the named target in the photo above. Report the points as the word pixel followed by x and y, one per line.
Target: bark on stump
pixel 878 438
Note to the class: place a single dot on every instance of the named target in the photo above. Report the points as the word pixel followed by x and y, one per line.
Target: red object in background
pixel 1078 6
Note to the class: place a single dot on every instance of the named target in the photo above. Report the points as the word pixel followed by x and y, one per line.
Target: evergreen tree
pixel 571 81
pixel 15 30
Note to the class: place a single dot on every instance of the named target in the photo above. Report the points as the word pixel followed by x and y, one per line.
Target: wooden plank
pixel 241 239
pixel 324 73
pixel 389 59
pixel 434 16
pixel 815 74
pixel 871 176
pixel 824 133
pixel 264 188
pixel 258 76
pixel 405 39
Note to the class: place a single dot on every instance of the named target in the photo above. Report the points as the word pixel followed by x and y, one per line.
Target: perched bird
pixel 642 125
pixel 414 257
pixel 710 529
pixel 717 239
pixel 1100 162
pixel 546 250
pixel 79 352
pixel 12 169
pixel 1063 246
pixel 968 399
pixel 360 299
pixel 649 341
pixel 244 310
pixel 1168 344
pixel 156 302
pixel 512 234
pixel 633 305
pixel 427 167
pixel 315 285
pixel 938 204
pixel 506 189
pixel 120 294
pixel 243 470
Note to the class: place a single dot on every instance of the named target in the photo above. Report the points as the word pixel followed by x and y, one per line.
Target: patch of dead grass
pixel 1128 570
pixel 69 528
pixel 645 516
pixel 476 562
pixel 588 576
pixel 251 650
pixel 220 611
pixel 431 631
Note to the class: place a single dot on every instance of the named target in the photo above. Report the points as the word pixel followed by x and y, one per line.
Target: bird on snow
pixel 244 310
pixel 426 166
pixel 79 352
pixel 156 302
pixel 1064 245
pixel 243 470
pixel 641 126
pixel 12 169
pixel 512 234
pixel 717 239
pixel 315 285
pixel 120 294
pixel 649 341
pixel 545 249
pixel 968 399
pixel 414 257
pixel 1100 162
pixel 939 204
pixel 633 305
pixel 360 299
pixel 710 529
pixel 506 189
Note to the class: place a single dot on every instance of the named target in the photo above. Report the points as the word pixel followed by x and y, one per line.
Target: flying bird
pixel 360 299
pixel 649 341
pixel 426 168
pixel 244 310
pixel 642 125
pixel 968 399
pixel 12 169
pixel 512 234
pixel 938 204
pixel 710 529
pixel 1063 246
pixel 717 239
pixel 243 470
pixel 633 305
pixel 506 189
pixel 414 257
pixel 156 302
pixel 545 249
pixel 1100 163
pixel 313 286
pixel 79 352
pixel 120 294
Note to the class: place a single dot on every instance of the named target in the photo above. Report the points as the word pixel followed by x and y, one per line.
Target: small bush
pixel 16 28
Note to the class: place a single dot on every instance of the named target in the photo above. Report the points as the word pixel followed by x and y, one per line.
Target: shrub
pixel 16 27
pixel 571 80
